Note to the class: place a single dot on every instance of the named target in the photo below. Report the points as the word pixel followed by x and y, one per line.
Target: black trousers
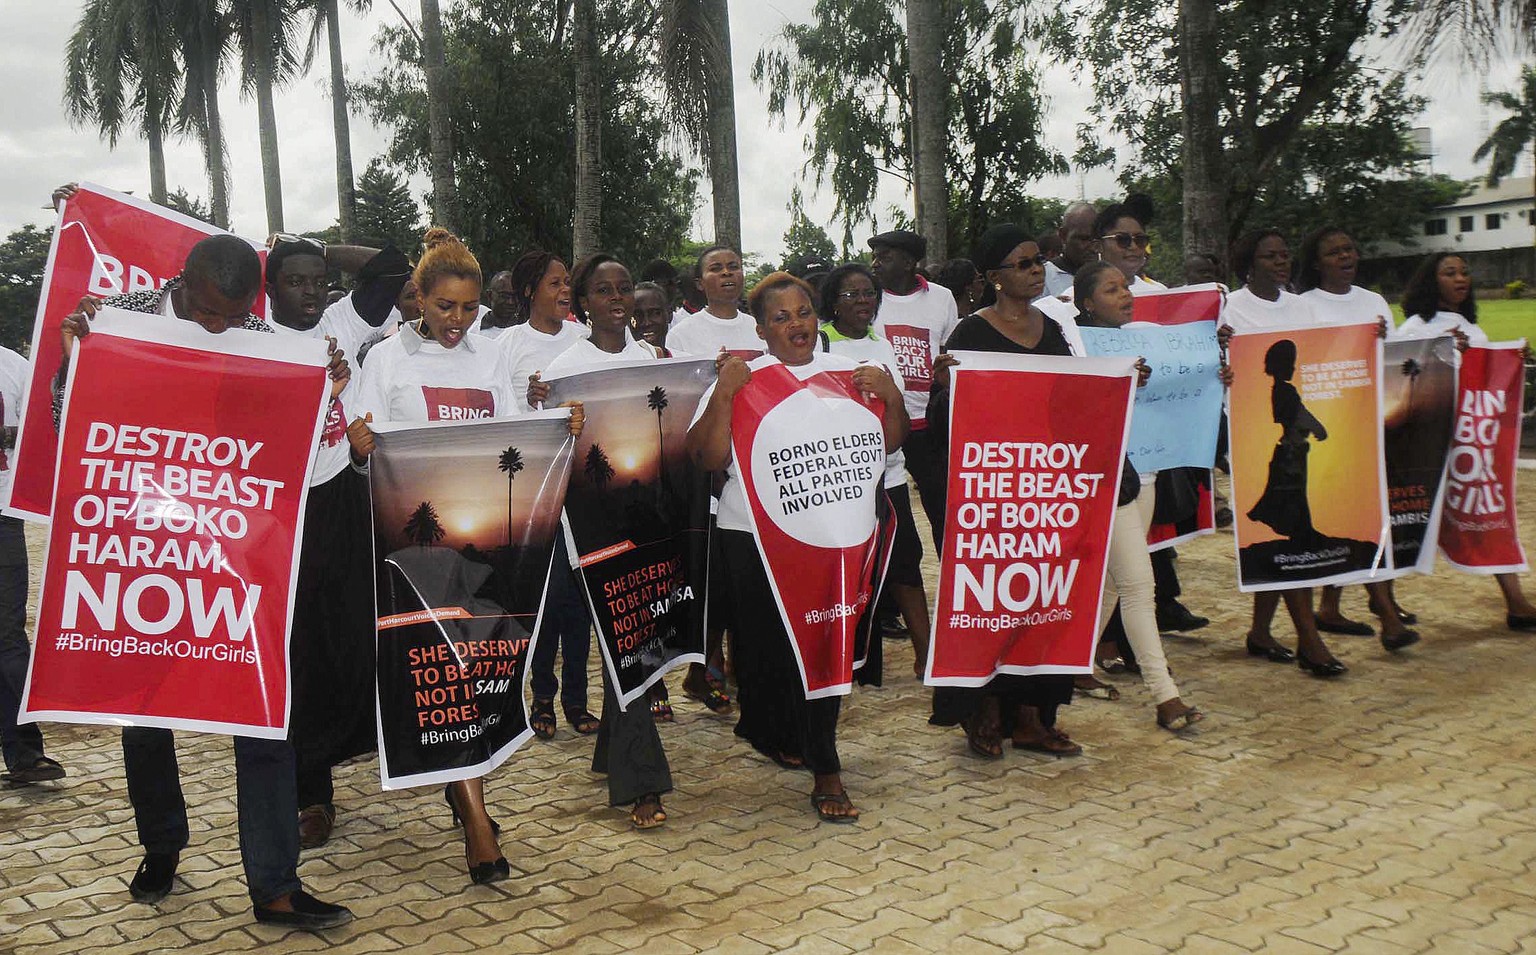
pixel 776 718
pixel 930 472
pixel 629 749
pixel 23 744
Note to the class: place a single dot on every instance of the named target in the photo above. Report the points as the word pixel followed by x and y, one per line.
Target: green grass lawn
pixel 1503 319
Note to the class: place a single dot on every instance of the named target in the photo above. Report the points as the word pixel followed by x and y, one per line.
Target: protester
pixel 217 287
pixel 1329 262
pixel 543 290
pixel 1077 247
pixel 1262 261
pixel 850 303
pixel 964 282
pixel 628 747
pixel 25 760
pixel 776 718
pixel 720 324
pixel 916 319
pixel 1104 300
pixel 651 320
pixel 1201 268
pixel 1439 300
pixel 504 313
pixel 1024 707
pixel 373 310
pixel 441 354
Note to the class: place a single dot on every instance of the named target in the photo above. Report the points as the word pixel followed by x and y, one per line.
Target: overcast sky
pixel 39 149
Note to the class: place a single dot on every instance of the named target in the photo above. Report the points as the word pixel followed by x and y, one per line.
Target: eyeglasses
pixel 859 294
pixel 283 238
pixel 1028 262
pixel 1127 239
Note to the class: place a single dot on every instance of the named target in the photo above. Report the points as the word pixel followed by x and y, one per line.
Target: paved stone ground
pixel 1390 811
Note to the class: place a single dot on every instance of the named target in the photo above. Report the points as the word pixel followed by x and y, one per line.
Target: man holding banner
pixel 217 286
pixel 802 436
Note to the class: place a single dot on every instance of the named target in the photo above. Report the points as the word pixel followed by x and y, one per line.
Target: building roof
pixel 1509 189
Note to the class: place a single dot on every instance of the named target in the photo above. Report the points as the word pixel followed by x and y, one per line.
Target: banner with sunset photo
pixel 637 513
pixel 1309 486
pixel 464 522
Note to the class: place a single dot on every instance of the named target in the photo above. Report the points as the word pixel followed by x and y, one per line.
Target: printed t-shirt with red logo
pixel 526 351
pixel 917 326
pixel 409 378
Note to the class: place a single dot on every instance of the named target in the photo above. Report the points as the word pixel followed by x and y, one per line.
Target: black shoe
pixel 1405 639
pixel 453 807
pixel 153 880
pixel 1520 622
pixel 42 770
pixel 1347 627
pixel 1329 668
pixel 1274 654
pixel 484 873
pixel 1174 617
pixel 309 914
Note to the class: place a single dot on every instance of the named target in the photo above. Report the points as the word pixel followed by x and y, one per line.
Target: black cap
pixel 908 242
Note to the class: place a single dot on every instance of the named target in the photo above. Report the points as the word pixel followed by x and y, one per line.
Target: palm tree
pixel 327 17
pixel 264 32
pixel 424 528
pixel 1514 134
pixel 597 468
pixel 204 34
pixel 445 199
pixel 929 86
pixel 701 98
pixel 510 462
pixel 124 66
pixel 589 131
pixel 657 402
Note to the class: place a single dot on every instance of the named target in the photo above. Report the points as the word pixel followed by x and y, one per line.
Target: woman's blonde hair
pixel 444 256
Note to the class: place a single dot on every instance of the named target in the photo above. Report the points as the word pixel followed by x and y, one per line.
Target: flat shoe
pixel 1274 654
pixel 656 819
pixel 309 914
pixel 41 771
pixel 315 824
pixel 1518 621
pixel 1181 722
pixel 1397 642
pixel 1055 744
pixel 1346 627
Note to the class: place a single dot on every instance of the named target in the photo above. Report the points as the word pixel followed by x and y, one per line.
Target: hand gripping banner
pixel 1478 532
pixel 105 244
pixel 464 522
pixel 637 513
pixel 183 470
pixel 1035 451
pixel 1309 485
pixel 811 455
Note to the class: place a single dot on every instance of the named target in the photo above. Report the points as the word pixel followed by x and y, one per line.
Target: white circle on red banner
pixel 816 465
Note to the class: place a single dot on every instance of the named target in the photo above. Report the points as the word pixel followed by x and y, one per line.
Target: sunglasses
pixel 283 238
pixel 1127 239
pixel 1028 262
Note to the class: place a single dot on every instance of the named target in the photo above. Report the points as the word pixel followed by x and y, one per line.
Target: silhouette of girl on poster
pixel 1283 505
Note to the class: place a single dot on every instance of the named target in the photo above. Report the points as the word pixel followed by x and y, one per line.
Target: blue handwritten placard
pixel 1177 414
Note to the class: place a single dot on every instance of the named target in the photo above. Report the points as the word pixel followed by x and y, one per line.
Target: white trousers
pixel 1130 580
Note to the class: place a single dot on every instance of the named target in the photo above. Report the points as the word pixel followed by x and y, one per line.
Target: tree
pixel 445 196
pixel 597 469
pixel 846 72
pixel 424 528
pixel 589 133
pixel 123 66
pixel 386 213
pixel 23 258
pixel 327 17
pixel 1514 134
pixel 929 122
pixel 189 205
pixel 701 98
pixel 509 463
pixel 204 34
pixel 264 33
pixel 513 130
pixel 804 237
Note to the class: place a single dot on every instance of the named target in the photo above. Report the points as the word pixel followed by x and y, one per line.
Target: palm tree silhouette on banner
pixel 597 468
pixel 657 402
pixel 424 528
pixel 510 462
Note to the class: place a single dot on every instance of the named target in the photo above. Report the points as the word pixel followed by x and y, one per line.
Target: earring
pixel 998 286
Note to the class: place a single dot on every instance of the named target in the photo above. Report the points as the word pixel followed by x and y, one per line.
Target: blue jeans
pixel 268 806
pixel 567 625
pixel 21 745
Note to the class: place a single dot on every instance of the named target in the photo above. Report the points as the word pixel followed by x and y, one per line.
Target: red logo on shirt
pixel 458 404
pixel 335 425
pixel 913 355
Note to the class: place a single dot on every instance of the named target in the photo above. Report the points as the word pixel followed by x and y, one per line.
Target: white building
pixel 1495 228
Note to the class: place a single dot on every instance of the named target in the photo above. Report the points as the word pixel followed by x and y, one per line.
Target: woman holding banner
pixel 1439 301
pixel 1262 260
pixel 1329 262
pixel 1023 706
pixel 1104 300
pixel 462 372
pixel 777 718
pixel 628 747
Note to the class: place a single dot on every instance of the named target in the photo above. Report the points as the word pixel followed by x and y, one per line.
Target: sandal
pixel 1181 722
pixel 820 802
pixel 661 710
pixel 654 819
pixel 42 770
pixel 542 719
pixel 1094 688
pixel 984 737
pixel 710 696
pixel 1054 743
pixel 581 720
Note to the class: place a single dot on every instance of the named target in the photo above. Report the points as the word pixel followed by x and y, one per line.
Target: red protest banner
pixel 811 455
pixel 1178 306
pixel 1478 533
pixel 168 586
pixel 1035 451
pixel 105 244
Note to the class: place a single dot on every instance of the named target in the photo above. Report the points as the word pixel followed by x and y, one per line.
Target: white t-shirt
pixel 733 514
pixel 1443 323
pixel 584 356
pixel 873 348
pixel 1358 304
pixel 333 453
pixel 917 326
pixel 409 378
pixel 15 371
pixel 1057 279
pixel 353 335
pixel 702 335
pixel 1246 312
pixel 525 350
pixel 678 314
